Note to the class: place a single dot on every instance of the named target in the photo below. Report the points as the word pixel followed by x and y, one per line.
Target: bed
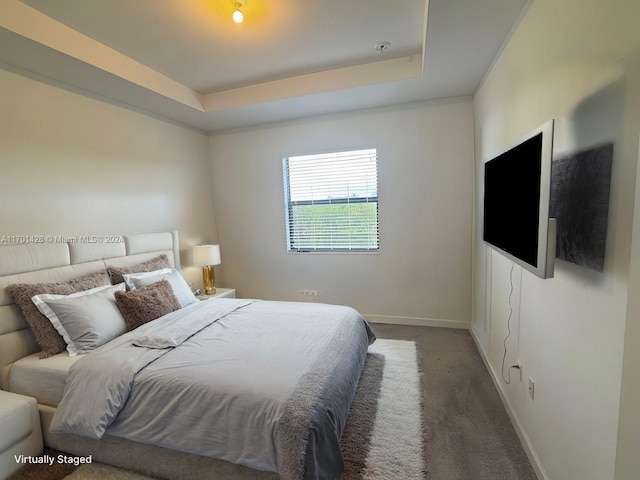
pixel 224 388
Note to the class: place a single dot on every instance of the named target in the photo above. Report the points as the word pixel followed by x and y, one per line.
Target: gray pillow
pixel 85 320
pixel 46 336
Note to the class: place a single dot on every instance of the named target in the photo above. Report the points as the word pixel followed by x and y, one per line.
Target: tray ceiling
pixel 187 61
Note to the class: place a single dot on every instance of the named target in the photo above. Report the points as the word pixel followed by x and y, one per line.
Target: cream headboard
pixel 53 261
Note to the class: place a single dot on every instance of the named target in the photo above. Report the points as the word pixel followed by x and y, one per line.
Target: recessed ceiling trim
pixel 401 68
pixel 38 27
pixel 34 25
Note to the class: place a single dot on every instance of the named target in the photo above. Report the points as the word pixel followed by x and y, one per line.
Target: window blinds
pixel 332 201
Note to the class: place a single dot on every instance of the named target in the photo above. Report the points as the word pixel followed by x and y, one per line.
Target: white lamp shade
pixel 204 255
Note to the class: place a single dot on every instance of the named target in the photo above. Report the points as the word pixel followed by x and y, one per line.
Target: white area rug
pixel 396 446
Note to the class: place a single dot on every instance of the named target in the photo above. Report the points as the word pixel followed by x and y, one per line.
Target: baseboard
pixel 416 321
pixel 522 435
pixel 480 338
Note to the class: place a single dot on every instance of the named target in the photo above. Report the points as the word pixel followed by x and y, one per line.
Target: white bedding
pixel 44 379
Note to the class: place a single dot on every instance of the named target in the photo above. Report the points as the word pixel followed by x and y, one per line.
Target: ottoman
pixel 20 432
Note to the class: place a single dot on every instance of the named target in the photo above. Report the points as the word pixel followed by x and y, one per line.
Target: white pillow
pixel 129 277
pixel 180 288
pixel 85 320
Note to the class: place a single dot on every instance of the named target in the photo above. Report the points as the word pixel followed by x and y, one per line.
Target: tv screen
pixel 516 202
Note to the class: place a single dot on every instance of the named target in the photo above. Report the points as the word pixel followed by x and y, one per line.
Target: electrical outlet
pixel 532 388
pixel 310 292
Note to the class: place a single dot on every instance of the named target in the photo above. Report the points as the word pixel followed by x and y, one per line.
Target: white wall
pixel 627 458
pixel 563 62
pixel 70 164
pixel 423 269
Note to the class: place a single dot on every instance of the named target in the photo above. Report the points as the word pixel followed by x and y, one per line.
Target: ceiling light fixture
pixel 238 16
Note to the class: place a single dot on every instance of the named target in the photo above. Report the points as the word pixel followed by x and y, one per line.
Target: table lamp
pixel 206 256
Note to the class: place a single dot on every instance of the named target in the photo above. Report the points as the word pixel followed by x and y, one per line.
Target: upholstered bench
pixel 20 432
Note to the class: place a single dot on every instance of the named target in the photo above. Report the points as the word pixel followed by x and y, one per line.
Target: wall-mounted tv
pixel 517 184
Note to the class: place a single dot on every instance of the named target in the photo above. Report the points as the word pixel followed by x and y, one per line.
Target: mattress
pixel 42 378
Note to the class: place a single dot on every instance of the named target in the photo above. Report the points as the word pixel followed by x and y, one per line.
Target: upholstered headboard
pixel 53 261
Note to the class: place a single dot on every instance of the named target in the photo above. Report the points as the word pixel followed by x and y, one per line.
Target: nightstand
pixel 220 293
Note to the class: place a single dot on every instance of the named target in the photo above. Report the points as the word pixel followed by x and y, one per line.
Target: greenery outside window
pixel 331 201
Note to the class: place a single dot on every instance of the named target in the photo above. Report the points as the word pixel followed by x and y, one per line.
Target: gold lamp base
pixel 209 280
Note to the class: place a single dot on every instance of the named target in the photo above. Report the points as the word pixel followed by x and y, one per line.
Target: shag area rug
pixel 383 437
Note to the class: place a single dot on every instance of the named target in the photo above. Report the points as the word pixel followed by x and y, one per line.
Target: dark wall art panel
pixel 579 201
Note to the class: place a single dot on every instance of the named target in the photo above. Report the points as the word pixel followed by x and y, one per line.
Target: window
pixel 332 201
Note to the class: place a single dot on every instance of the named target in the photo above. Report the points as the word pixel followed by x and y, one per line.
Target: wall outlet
pixel 532 388
pixel 310 292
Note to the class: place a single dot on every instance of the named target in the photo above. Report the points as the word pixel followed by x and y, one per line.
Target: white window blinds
pixel 332 201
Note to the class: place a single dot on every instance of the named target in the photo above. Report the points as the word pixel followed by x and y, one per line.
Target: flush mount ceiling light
pixel 238 16
pixel 382 47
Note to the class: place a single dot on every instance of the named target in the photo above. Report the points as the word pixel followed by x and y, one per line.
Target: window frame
pixel 289 204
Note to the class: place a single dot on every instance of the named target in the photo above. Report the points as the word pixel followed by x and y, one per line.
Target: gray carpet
pixel 468 433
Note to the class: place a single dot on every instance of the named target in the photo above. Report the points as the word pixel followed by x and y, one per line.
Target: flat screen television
pixel 517 185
